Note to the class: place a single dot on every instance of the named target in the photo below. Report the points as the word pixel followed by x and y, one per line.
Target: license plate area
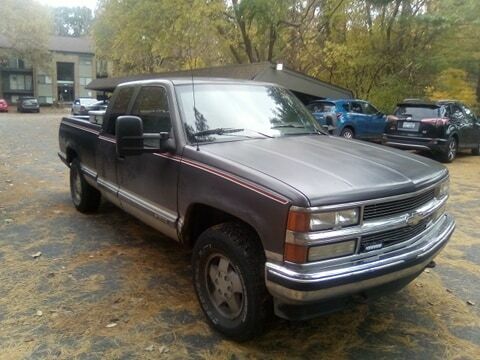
pixel 409 125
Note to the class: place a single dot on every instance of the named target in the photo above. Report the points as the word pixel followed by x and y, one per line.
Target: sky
pixel 56 3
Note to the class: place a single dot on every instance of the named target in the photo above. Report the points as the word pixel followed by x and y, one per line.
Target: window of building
pixel 45 99
pixel 85 61
pixel 85 81
pixel 20 82
pixel 20 64
pixel 44 79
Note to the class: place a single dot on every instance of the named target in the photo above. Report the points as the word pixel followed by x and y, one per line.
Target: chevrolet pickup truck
pixel 279 215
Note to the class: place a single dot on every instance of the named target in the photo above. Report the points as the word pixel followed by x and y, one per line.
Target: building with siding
pixel 71 67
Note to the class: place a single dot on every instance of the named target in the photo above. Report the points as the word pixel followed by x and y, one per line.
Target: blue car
pixel 349 118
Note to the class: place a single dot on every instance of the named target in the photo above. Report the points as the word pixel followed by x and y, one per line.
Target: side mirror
pixel 129 135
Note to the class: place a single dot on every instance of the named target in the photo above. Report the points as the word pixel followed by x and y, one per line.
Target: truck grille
pixel 397 206
pixel 391 237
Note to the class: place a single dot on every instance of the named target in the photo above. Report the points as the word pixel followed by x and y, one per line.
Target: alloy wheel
pixel 452 149
pixel 225 286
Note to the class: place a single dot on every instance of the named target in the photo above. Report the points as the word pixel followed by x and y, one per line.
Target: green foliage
pixel 72 21
pixel 25 26
pixel 384 50
pixel 452 84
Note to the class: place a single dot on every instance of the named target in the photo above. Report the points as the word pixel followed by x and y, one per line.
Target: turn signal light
pixel 295 253
pixel 298 221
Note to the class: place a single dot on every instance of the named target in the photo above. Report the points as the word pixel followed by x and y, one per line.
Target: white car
pixel 80 105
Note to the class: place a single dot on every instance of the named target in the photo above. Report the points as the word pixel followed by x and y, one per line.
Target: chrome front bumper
pixel 297 284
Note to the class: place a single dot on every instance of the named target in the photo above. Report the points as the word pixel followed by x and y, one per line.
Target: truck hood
pixel 329 170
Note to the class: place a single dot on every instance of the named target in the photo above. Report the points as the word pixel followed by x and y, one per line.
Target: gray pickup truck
pixel 279 215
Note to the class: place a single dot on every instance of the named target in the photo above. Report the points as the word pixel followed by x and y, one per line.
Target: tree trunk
pixel 246 39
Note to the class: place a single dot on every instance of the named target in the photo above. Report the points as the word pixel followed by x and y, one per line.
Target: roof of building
pixel 83 45
pixel 71 44
pixel 264 71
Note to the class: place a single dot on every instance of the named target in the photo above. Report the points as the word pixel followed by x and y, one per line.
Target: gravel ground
pixel 108 268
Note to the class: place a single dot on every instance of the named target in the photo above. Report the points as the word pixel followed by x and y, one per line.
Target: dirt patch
pixel 108 268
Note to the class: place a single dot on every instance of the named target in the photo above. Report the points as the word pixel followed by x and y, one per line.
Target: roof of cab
pixel 196 81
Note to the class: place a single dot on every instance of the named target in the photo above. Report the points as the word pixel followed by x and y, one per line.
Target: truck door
pixel 148 182
pixel 106 153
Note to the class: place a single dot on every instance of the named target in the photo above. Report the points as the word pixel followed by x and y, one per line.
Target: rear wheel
pixel 228 268
pixel 450 152
pixel 85 197
pixel 347 133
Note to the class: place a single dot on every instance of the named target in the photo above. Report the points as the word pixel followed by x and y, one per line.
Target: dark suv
pixel 28 104
pixel 443 127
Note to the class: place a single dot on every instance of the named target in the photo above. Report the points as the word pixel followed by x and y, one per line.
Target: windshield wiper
pixel 288 126
pixel 227 131
pixel 217 131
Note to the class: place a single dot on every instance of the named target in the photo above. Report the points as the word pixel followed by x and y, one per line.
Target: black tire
pixel 348 133
pixel 476 150
pixel 450 152
pixel 85 198
pixel 241 280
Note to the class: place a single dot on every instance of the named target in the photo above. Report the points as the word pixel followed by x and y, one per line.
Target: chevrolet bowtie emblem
pixel 413 219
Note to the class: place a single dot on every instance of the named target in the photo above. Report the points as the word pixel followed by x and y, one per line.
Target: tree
pixel 25 27
pixel 72 21
pixel 452 84
pixel 383 50
pixel 151 36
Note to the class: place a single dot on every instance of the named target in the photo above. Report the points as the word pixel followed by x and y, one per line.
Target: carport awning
pixel 265 71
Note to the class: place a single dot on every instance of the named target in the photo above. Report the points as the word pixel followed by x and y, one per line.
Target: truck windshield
pixel 224 112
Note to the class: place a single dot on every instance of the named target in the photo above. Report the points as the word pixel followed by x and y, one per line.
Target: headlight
pixel 300 221
pixel 443 189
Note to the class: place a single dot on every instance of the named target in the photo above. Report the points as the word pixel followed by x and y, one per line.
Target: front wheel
pixel 228 274
pixel 85 198
pixel 347 133
pixel 450 153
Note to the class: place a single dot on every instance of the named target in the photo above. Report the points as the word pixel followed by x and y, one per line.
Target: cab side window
pixel 119 106
pixel 151 106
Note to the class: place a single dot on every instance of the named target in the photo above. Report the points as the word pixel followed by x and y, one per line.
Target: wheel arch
pixel 71 154
pixel 199 217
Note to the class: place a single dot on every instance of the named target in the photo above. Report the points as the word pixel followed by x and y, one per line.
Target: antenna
pixel 194 106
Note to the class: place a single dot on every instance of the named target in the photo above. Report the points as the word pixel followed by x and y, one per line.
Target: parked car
pixel 442 127
pixel 80 105
pixel 98 106
pixel 3 105
pixel 28 104
pixel 349 118
pixel 273 208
